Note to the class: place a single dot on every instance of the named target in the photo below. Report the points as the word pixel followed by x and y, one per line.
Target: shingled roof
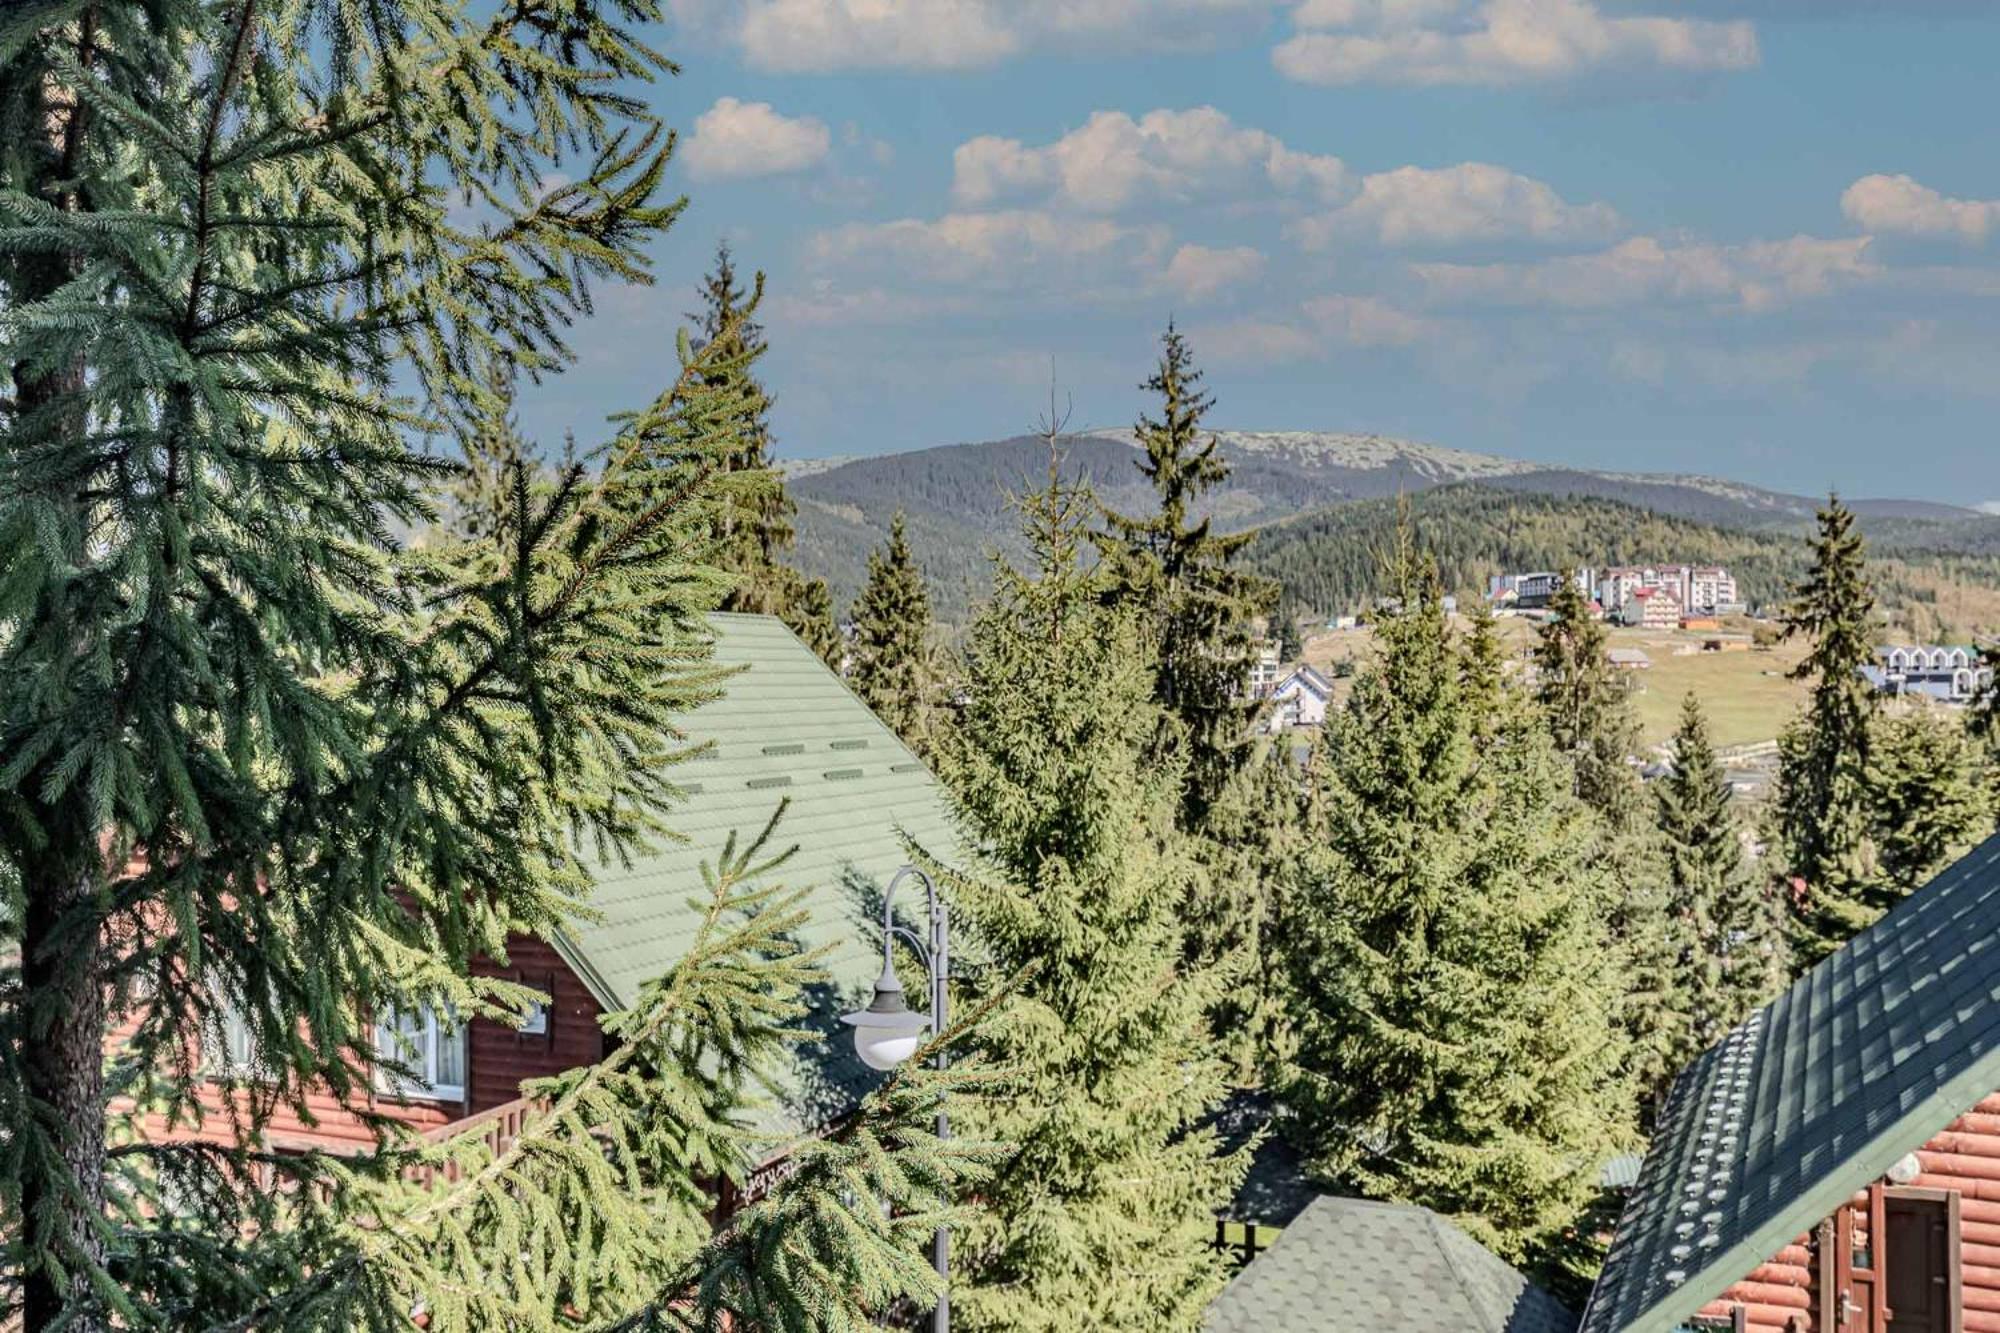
pixel 1354 1266
pixel 1812 1098
pixel 785 727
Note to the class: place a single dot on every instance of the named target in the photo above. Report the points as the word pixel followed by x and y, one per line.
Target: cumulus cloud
pixel 1898 205
pixel 1114 161
pixel 1756 276
pixel 1317 330
pixel 820 35
pixel 1197 272
pixel 735 139
pixel 1499 42
pixel 1473 201
pixel 1002 251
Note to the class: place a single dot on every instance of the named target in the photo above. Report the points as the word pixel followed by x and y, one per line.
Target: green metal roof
pixel 1353 1266
pixel 1812 1098
pixel 786 726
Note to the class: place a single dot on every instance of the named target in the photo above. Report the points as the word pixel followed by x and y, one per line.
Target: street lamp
pixel 887 1033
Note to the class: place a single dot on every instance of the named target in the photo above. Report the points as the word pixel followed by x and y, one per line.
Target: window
pixel 430 1047
pixel 238 1053
pixel 536 1021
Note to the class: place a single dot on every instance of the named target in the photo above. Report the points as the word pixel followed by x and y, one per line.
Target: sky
pixel 1758 239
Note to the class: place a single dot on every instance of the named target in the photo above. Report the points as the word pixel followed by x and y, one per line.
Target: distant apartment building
pixel 1949 673
pixel 1650 608
pixel 1536 588
pixel 1697 589
pixel 1264 671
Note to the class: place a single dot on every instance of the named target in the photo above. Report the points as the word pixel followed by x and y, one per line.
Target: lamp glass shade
pixel 881 1048
pixel 887 1032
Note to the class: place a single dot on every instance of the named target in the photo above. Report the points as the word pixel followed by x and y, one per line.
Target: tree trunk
pixel 62 1195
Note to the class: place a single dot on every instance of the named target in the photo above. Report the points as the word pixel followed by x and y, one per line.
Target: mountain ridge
pixel 955 496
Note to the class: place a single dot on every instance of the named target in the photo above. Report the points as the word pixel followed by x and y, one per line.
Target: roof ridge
pixel 1437 1225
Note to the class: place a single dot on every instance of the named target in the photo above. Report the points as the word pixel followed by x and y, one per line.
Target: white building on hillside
pixel 1300 699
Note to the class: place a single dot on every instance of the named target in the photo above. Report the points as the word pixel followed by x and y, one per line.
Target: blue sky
pixel 1753 238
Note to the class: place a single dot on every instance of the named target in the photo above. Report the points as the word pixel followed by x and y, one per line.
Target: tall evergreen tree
pixel 1929 805
pixel 1735 954
pixel 757 529
pixel 1820 808
pixel 890 657
pixel 1483 673
pixel 1454 989
pixel 1983 725
pixel 1101 1216
pixel 256 756
pixel 1587 709
pixel 1176 574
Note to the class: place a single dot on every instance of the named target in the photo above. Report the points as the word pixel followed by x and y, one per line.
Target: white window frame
pixel 535 1022
pixel 432 1039
pixel 236 1056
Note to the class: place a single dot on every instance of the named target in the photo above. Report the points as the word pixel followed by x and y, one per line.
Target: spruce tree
pixel 259 757
pixel 1197 608
pixel 1586 706
pixel 1983 724
pixel 757 529
pixel 1484 679
pixel 1454 987
pixel 890 657
pixel 1735 956
pixel 1102 1215
pixel 1928 802
pixel 1820 807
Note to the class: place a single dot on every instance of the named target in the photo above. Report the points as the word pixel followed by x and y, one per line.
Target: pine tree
pixel 255 754
pixel 757 529
pixel 1454 989
pixel 1586 707
pixel 1820 808
pixel 1734 956
pixel 1483 674
pixel 1983 724
pixel 1177 575
pixel 1928 805
pixel 1102 1215
pixel 890 662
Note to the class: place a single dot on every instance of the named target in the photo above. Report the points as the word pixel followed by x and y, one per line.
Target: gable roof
pixel 1354 1266
pixel 1304 677
pixel 1811 1098
pixel 786 726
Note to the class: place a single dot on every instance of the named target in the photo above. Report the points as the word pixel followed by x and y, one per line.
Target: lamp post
pixel 886 1033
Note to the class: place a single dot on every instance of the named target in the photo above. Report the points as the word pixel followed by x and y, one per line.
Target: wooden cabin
pixel 786 728
pixel 1833 1165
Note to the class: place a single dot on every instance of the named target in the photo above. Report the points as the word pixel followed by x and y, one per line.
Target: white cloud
pixel 821 35
pixel 1499 42
pixel 1473 201
pixel 1003 251
pixel 1322 326
pixel 734 138
pixel 1197 272
pixel 1366 321
pixel 1899 205
pixel 1114 161
pixel 1755 276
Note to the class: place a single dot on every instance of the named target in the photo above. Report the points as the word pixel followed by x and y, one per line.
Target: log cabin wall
pixel 1782 1295
pixel 498 1059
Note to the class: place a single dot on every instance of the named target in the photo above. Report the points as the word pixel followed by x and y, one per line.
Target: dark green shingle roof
pixel 1812 1098
pixel 786 726
pixel 1352 1266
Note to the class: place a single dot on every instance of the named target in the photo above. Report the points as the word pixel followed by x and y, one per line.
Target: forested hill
pixel 956 498
pixel 1330 560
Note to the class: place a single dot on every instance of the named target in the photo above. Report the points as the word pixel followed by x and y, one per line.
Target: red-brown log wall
pixel 498 1059
pixel 1782 1295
